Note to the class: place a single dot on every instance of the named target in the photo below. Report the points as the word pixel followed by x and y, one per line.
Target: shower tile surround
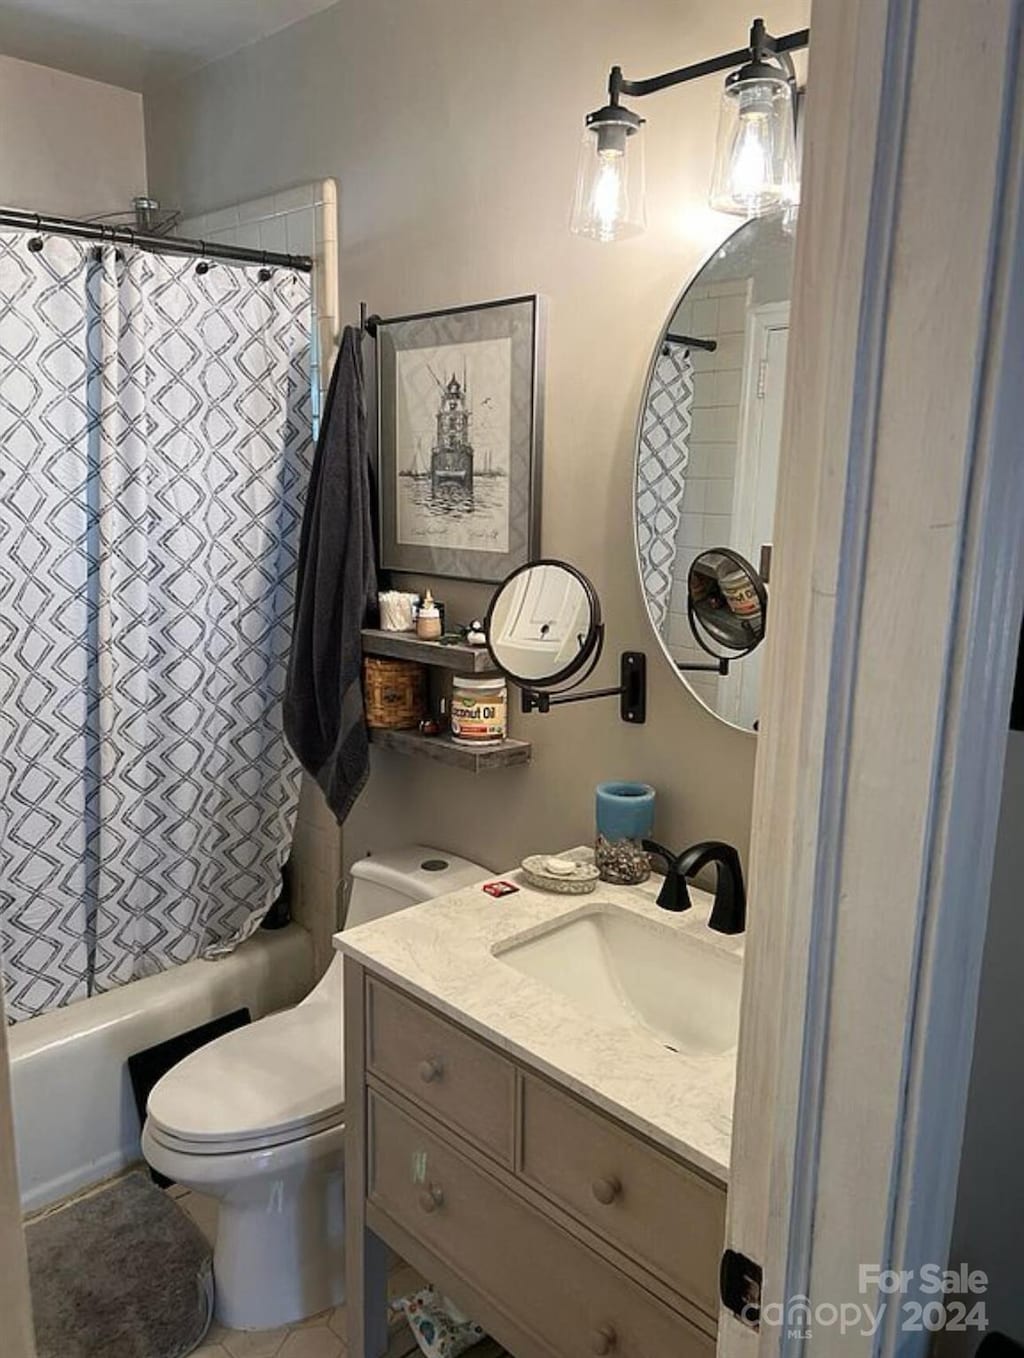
pixel 300 221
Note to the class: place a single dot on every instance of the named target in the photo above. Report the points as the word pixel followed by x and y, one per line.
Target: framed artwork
pixel 458 410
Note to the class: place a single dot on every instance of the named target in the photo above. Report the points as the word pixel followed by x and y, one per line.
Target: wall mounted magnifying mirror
pixel 708 447
pixel 727 605
pixel 545 634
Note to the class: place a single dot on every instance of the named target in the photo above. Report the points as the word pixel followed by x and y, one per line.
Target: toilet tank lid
pixel 419 871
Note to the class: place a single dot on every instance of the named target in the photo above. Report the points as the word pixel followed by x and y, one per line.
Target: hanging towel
pixel 337 583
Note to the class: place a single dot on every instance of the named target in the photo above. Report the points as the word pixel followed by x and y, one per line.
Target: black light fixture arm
pixel 762 45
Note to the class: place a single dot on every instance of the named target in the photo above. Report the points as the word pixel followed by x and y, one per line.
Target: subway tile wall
pixel 300 221
pixel 711 311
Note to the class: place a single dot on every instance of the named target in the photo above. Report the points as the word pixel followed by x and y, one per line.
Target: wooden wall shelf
pixel 407 646
pixel 443 750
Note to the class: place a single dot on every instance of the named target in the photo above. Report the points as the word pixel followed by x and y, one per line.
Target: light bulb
pixel 750 164
pixel 610 199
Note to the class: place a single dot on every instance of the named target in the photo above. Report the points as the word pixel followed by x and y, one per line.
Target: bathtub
pixel 74 1113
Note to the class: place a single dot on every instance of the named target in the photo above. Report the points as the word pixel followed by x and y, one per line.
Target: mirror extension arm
pixel 631 692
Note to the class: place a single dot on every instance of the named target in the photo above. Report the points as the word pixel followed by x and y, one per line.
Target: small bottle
pixel 428 620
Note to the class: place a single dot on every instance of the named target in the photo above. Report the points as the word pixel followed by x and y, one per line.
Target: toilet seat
pixel 272 1082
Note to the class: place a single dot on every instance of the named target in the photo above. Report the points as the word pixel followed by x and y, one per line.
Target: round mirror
pixel 726 603
pixel 708 446
pixel 544 624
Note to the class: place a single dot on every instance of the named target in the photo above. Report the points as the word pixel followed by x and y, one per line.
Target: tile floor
pixel 321 1336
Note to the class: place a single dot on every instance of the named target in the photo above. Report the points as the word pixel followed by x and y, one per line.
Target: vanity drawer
pixel 441 1069
pixel 638 1199
pixel 573 1302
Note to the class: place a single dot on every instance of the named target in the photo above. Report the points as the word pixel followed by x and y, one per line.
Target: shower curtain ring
pixel 36 243
pixel 203 265
pixel 265 274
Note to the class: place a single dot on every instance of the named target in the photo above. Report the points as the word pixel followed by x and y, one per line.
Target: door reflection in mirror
pixel 541 623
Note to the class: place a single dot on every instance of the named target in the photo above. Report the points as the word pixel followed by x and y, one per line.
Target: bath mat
pixel 123 1273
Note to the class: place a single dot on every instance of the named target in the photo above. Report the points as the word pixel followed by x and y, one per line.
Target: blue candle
pixel 625 810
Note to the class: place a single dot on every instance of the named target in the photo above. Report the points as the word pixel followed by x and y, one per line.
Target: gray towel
pixel 337 583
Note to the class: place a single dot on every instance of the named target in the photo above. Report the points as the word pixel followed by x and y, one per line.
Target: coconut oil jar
pixel 479 711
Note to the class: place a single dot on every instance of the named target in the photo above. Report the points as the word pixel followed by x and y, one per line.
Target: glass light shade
pixel 609 200
pixel 755 156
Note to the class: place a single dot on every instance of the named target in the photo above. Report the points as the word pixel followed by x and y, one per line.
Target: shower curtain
pixel 661 479
pixel 155 446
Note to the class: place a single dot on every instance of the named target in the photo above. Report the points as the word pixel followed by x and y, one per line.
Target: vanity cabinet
pixel 563 1232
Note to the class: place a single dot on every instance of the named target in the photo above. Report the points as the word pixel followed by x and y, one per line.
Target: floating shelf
pixel 407 646
pixel 443 750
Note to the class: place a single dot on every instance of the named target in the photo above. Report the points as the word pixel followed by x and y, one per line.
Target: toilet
pixel 256 1119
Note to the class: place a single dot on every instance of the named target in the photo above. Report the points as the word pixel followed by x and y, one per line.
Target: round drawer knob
pixel 603 1340
pixel 431 1198
pixel 606 1190
pixel 431 1071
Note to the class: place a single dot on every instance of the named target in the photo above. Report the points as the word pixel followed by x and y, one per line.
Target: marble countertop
pixel 442 953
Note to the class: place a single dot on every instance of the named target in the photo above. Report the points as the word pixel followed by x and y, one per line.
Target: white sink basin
pixel 683 990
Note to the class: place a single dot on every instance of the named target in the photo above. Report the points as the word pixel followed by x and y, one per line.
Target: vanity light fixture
pixel 755 169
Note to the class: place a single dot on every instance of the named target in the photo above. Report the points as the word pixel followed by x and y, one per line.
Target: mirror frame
pixel 637 440
pixel 589 654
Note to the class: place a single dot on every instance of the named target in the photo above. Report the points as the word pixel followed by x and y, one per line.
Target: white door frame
pixel 899 585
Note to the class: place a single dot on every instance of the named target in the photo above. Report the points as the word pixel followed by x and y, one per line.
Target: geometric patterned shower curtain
pixel 661 481
pixel 155 446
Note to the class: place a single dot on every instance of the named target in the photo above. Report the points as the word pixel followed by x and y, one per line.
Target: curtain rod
pixel 171 245
pixel 692 343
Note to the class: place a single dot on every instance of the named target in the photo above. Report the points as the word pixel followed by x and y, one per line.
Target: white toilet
pixel 255 1119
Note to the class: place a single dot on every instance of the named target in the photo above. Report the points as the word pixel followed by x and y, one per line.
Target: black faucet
pixel 729 912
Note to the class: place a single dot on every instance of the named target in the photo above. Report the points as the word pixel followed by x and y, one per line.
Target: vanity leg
pixel 368 1299
pixel 366 1255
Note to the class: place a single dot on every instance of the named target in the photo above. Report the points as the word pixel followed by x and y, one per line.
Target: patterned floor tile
pixel 255 1343
pixel 316 1342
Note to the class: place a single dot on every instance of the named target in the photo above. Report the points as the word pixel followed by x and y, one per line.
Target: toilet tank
pixel 386 882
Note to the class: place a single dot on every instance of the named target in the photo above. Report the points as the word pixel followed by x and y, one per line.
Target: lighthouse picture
pixel 451 458
pixel 453 446
pixel 458 448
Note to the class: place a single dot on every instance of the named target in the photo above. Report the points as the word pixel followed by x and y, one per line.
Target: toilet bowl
pixel 255 1119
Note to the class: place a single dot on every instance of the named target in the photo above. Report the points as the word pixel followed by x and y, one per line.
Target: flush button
pixel 435 865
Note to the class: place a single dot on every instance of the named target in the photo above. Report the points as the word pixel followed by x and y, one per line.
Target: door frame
pixel 889 667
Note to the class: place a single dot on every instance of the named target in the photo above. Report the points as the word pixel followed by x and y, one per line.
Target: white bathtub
pixel 74 1113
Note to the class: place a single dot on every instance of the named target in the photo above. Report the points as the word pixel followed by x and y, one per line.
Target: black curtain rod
pixel 692 343
pixel 169 245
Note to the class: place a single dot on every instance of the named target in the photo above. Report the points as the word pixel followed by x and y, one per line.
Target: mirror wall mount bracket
pixel 631 691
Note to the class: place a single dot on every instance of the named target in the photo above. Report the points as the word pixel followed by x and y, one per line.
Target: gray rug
pixel 123 1273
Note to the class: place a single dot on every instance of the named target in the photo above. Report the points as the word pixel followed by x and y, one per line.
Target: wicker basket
pixel 395 692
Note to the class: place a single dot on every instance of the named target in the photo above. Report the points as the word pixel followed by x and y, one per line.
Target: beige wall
pixel 452 128
pixel 68 146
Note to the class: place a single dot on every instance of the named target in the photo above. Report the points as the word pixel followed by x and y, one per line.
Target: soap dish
pixel 578 881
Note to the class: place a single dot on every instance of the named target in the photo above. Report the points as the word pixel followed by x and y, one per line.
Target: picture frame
pixel 458 439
